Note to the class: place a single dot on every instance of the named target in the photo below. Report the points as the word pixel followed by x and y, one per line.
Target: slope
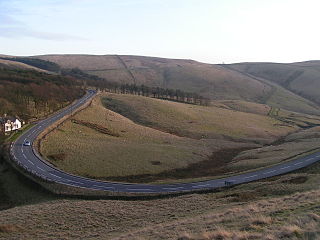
pixel 212 81
pixel 301 78
pixel 209 80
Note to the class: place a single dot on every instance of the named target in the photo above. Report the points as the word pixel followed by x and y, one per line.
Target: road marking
pixel 71 181
pixel 30 162
pixel 24 156
pixel 270 172
pixel 102 187
pixel 252 176
pixel 41 169
pixel 55 175
pixel 309 159
pixel 203 185
pixel 298 163
pixel 139 189
pixel 174 188
pixel 285 167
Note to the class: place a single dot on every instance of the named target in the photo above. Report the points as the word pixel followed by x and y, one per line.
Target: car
pixel 27 143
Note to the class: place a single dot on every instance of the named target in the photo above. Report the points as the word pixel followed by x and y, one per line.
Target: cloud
pixel 21 32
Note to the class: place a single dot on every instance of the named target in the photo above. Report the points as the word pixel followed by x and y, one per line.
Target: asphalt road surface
pixel 27 157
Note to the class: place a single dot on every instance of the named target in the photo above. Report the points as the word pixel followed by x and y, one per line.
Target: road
pixel 28 158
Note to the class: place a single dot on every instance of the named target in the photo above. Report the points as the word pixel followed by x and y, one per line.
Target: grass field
pixel 164 141
pixel 284 207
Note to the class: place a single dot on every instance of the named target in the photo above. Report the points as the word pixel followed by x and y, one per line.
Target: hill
pixel 302 78
pixel 284 207
pixel 133 138
pixel 31 94
pixel 209 80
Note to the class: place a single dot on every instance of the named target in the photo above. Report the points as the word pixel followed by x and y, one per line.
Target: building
pixel 9 124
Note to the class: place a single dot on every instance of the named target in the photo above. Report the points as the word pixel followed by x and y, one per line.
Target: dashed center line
pixel 251 176
pixel 298 163
pixel 285 167
pixel 173 188
pixel 54 175
pixel 200 186
pixel 309 159
pixel 139 189
pixel 41 169
pixel 270 171
pixel 30 162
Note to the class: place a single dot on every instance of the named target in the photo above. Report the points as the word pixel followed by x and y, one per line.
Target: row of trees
pixel 155 92
pixel 161 93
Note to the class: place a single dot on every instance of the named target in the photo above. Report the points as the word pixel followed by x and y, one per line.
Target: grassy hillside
pixel 157 140
pixel 285 207
pixel 301 78
pixel 208 80
pixel 9 64
pixel 212 81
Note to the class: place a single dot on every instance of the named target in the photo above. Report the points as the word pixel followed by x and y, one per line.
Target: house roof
pixel 5 119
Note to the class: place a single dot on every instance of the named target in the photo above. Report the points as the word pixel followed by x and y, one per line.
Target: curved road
pixel 28 158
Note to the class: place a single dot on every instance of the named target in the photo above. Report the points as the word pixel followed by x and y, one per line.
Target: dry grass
pixel 194 216
pixel 95 148
pixel 243 106
pixel 197 121
pixel 211 80
pixel 293 145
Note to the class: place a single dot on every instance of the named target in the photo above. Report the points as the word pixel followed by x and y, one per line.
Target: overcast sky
pixel 213 31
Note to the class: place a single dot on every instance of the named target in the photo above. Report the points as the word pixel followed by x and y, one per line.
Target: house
pixel 9 124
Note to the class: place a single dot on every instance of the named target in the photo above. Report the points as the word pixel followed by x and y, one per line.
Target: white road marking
pixel 71 181
pixel 102 187
pixel 200 186
pixel 298 163
pixel 270 172
pixel 139 189
pixel 55 175
pixel 30 162
pixel 309 159
pixel 24 156
pixel 285 167
pixel 252 176
pixel 41 169
pixel 174 188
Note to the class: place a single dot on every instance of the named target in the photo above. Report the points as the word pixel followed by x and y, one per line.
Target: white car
pixel 27 143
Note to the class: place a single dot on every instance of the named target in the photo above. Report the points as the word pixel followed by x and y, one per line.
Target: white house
pixel 9 124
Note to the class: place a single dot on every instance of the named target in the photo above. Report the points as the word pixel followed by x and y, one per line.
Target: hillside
pixel 140 139
pixel 18 65
pixel 31 94
pixel 284 207
pixel 209 80
pixel 302 78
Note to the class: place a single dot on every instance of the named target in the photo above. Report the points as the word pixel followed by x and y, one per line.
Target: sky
pixel 212 31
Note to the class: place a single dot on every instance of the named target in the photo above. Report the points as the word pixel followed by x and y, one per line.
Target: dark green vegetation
pixel 30 94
